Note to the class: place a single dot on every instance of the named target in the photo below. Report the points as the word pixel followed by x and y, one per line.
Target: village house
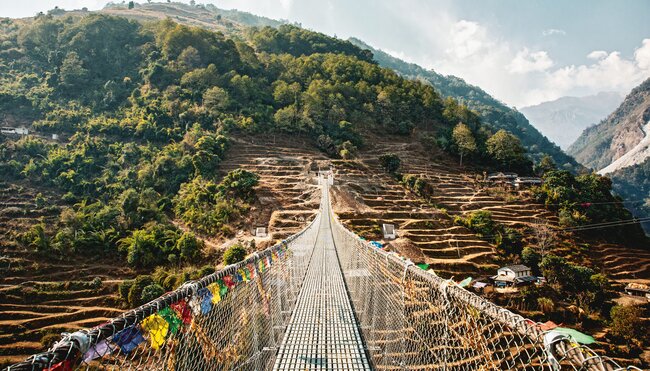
pixel 514 275
pixel 523 181
pixel 502 178
pixel 638 289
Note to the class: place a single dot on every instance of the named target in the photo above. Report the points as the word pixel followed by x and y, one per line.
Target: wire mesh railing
pixel 233 319
pixel 414 320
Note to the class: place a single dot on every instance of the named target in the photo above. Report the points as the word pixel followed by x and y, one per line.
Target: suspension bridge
pixel 323 299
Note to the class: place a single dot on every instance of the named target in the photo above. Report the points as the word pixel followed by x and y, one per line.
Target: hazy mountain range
pixel 563 120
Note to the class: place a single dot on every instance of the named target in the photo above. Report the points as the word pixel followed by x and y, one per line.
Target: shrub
pixel 151 292
pixel 189 247
pixel 480 222
pixel 627 323
pixel 234 254
pixel 390 162
pixel 135 293
pixel 546 305
pixel 96 283
pixel 123 288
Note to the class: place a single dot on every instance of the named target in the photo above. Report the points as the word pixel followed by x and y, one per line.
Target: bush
pixel 234 254
pixel 189 247
pixel 390 162
pixel 151 292
pixel 546 305
pixel 627 323
pixel 418 185
pixel 124 288
pixel 480 222
pixel 135 292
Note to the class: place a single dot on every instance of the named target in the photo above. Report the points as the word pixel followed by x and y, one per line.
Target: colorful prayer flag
pixel 157 328
pixel 128 339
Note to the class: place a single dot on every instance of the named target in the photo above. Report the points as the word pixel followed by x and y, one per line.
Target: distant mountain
pixel 633 184
pixel 493 112
pixel 564 119
pixel 622 139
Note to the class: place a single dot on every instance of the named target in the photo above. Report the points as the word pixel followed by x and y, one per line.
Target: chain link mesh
pixel 414 320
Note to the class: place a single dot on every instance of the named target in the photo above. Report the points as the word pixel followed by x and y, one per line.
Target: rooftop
pixel 516 268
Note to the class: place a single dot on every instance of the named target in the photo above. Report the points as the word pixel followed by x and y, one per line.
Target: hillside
pixel 633 184
pixel 492 112
pixel 622 132
pixel 564 119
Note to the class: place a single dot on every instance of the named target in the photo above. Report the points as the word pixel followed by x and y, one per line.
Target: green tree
pixel 216 100
pixel 135 292
pixel 627 323
pixel 546 164
pixel 506 149
pixel 239 183
pixel 189 247
pixel 531 258
pixel 72 72
pixel 390 162
pixel 131 4
pixel 234 254
pixel 151 292
pixel 464 140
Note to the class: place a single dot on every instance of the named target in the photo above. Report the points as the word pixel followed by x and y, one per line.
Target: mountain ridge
pixel 564 119
pixel 492 112
pixel 602 144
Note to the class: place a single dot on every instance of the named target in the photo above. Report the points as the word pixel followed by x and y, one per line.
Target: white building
pixel 389 231
pixel 513 275
pixel 523 181
pixel 260 232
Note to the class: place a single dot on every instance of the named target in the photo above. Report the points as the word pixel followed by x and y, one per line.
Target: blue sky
pixel 522 52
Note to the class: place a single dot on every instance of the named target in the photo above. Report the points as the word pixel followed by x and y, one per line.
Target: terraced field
pixel 365 198
pixel 40 295
pixel 624 264
pixel 288 193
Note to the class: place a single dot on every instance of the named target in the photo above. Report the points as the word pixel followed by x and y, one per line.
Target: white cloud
pixel 642 55
pixel 609 71
pixel 597 54
pixel 526 61
pixel 553 31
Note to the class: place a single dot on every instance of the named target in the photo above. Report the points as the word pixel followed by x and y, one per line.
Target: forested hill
pixel 492 112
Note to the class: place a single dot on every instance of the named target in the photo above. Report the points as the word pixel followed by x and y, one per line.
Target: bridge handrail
pixel 66 348
pixel 558 349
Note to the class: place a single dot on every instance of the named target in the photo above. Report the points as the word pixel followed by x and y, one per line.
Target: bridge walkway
pixel 322 333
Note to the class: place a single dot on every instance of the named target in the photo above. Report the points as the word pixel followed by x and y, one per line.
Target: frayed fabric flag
pixel 182 309
pixel 99 350
pixel 156 329
pixel 260 266
pixel 202 302
pixel 223 288
pixel 128 339
pixel 229 282
pixel 66 365
pixel 216 293
pixel 173 320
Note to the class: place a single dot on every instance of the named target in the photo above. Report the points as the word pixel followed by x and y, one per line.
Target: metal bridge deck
pixel 322 333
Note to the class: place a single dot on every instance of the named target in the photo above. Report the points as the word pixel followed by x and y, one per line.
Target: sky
pixel 521 52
